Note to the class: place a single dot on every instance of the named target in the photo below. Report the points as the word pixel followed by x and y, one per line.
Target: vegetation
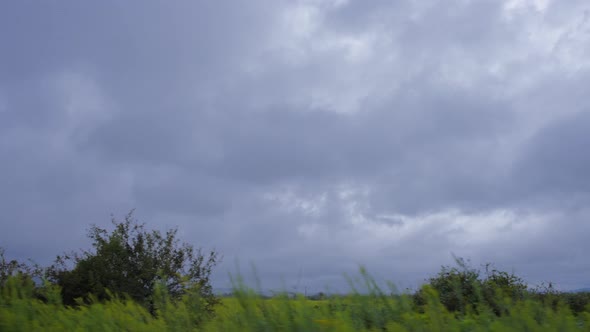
pixel 370 309
pixel 127 262
pixel 463 289
pixel 139 280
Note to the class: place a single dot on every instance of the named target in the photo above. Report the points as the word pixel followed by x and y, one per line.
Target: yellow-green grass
pixel 20 310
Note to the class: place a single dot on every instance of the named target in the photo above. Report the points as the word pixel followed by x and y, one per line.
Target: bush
pixel 131 261
pixel 462 289
pixel 577 302
pixel 13 268
pixel 500 286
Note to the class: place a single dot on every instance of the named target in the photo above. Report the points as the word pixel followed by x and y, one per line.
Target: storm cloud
pixel 306 137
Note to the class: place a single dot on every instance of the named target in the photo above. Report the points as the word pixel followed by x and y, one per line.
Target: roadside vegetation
pixel 139 280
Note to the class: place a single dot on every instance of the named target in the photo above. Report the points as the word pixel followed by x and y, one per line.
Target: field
pixel 141 280
pixel 22 308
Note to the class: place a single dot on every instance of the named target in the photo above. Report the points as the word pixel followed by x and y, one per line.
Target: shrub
pixel 462 289
pixel 131 261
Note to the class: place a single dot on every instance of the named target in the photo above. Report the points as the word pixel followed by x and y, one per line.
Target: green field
pixel 141 280
pixel 24 307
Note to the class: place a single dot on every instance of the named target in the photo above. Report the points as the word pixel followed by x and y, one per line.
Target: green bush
pixel 131 261
pixel 577 302
pixel 462 289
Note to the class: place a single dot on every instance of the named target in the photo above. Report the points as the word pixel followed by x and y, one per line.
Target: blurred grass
pixel 24 307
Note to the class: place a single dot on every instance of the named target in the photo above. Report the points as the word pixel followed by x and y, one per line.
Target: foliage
pixel 462 289
pixel 11 268
pixel 500 287
pixel 546 293
pixel 367 309
pixel 21 311
pixel 577 302
pixel 142 280
pixel 131 261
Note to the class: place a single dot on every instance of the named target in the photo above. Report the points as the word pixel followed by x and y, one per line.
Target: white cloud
pixel 288 201
pixel 537 5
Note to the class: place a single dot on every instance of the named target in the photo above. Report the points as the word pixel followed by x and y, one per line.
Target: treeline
pixel 139 279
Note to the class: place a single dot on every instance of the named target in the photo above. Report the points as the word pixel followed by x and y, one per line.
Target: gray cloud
pixel 306 137
pixel 555 161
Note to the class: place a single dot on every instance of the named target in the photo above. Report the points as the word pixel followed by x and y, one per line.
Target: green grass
pixel 26 308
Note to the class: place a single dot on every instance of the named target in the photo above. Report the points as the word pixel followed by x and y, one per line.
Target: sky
pixel 305 138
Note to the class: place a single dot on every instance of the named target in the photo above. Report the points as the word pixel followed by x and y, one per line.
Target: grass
pixel 26 308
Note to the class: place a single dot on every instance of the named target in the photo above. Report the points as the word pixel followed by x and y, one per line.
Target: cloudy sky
pixel 305 137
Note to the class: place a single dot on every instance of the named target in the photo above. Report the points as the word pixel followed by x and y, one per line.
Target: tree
pixel 462 288
pixel 10 268
pixel 499 286
pixel 458 288
pixel 132 261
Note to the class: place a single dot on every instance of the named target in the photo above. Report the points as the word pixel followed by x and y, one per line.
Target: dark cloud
pixel 554 162
pixel 307 137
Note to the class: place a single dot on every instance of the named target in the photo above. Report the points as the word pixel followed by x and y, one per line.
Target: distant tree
pixel 463 288
pixel 458 287
pixel 578 301
pixel 499 286
pixel 318 296
pixel 22 277
pixel 9 268
pixel 548 294
pixel 14 268
pixel 132 261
